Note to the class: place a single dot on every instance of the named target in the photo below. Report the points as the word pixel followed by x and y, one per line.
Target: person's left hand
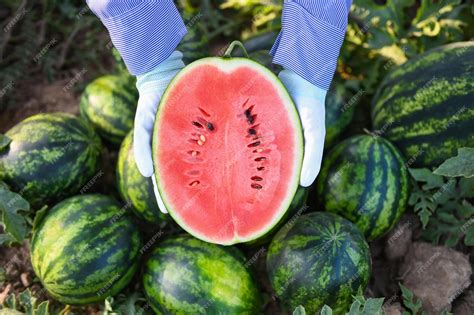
pixel 151 86
pixel 309 100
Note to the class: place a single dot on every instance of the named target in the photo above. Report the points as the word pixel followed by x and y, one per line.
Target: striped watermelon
pixel 51 156
pixel 319 259
pixel 134 187
pixel 109 103
pixel 425 106
pixel 364 179
pixel 85 249
pixel 188 276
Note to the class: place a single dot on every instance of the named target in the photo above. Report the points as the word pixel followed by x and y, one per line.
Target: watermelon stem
pixel 232 45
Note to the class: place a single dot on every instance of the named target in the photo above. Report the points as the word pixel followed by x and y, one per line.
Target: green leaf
pixel 43 309
pixel 355 308
pixel 429 9
pixel 469 235
pixel 11 206
pixel 6 239
pixel 11 302
pixel 460 165
pixel 466 186
pixel 27 301
pixel 425 175
pixel 4 141
pixel 130 304
pixel 409 300
pixel 26 304
pixel 373 306
pixel 423 204
pixel 380 39
pixel 299 310
pixel 326 310
pixel 108 306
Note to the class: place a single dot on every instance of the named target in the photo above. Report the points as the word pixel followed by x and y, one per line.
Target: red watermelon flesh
pixel 227 149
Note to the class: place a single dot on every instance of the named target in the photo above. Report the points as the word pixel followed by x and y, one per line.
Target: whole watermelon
pixel 109 104
pixel 425 106
pixel 50 156
pixel 319 259
pixel 364 179
pixel 187 276
pixel 85 249
pixel 134 187
pixel 339 112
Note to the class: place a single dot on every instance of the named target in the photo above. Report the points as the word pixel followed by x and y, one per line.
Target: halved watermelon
pixel 227 150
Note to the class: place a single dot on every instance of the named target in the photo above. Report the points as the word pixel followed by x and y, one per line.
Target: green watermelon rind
pixel 293 115
pixel 134 187
pixel 185 275
pixel 424 105
pixel 67 264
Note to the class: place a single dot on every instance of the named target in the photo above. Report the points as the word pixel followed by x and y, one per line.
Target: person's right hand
pixel 151 87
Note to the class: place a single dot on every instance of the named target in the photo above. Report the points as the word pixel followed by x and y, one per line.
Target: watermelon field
pixel 386 228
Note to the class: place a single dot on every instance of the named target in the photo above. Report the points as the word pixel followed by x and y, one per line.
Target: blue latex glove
pixel 151 87
pixel 309 100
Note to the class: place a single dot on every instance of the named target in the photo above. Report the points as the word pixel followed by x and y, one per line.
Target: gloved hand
pixel 151 87
pixel 309 100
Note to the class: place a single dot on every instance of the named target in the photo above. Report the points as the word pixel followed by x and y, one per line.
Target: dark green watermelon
pixel 187 276
pixel 425 106
pixel 319 259
pixel 109 104
pixel 85 249
pixel 339 112
pixel 364 179
pixel 50 156
pixel 134 187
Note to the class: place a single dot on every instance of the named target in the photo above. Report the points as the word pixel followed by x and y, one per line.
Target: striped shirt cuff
pixel 311 37
pixel 144 32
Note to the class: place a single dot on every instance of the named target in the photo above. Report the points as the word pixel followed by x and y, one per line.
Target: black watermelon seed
pixel 254 144
pixel 195 123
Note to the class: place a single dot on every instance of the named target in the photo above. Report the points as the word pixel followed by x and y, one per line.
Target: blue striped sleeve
pixel 144 32
pixel 311 37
